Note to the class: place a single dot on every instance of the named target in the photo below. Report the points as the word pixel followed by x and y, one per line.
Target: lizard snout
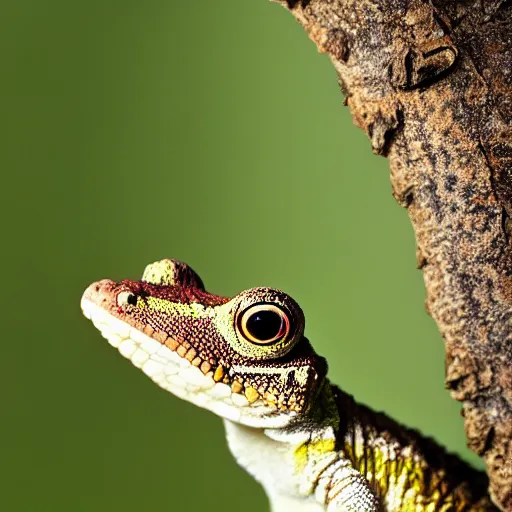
pixel 99 293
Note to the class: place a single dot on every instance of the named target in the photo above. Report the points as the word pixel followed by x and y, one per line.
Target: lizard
pixel 310 445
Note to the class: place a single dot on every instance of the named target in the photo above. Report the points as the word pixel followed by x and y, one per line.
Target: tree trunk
pixel 430 82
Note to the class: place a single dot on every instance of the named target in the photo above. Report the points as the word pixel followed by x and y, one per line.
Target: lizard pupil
pixel 264 325
pixel 131 299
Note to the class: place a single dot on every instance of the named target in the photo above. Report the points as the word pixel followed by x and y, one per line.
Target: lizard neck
pixel 279 458
pixel 271 463
pixel 402 468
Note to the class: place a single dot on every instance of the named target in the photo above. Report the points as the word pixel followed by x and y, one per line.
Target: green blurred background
pixel 211 132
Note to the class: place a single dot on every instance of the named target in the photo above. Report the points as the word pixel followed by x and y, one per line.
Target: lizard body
pixel 311 446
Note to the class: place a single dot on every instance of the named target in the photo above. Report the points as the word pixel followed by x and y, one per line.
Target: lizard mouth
pixel 178 376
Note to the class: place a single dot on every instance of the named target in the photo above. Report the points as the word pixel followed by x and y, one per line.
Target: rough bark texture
pixel 430 82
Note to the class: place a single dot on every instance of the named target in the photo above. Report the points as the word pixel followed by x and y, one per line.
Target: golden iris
pixel 264 324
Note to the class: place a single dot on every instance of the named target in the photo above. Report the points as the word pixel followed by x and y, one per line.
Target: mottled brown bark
pixel 430 82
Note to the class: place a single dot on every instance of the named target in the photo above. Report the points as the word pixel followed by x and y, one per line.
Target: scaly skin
pixel 246 359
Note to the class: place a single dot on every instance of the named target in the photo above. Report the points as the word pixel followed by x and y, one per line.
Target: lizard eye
pixel 264 324
pixel 125 298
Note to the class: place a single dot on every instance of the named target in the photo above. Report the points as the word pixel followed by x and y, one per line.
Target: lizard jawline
pixel 178 376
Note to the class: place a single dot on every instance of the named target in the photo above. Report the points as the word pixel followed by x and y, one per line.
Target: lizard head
pixel 245 358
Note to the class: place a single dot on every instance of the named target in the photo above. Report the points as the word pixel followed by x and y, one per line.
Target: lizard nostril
pixel 125 298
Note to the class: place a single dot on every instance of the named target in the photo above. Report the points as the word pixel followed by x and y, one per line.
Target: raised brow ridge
pixel 181 294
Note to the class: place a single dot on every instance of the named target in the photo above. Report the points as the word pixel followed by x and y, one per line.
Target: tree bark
pixel 430 82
